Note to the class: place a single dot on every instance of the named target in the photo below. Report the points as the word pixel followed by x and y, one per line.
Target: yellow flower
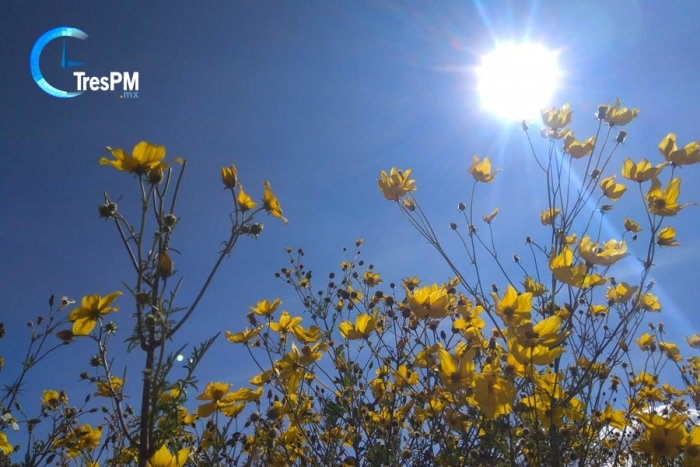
pixel 409 204
pixel 621 292
pixel 371 279
pixel 397 184
pixel 632 226
pixel 563 270
pixel 146 157
pixel 546 333
pixel 548 216
pixel 694 341
pixel 620 116
pixel 689 154
pixel 662 437
pixel 245 202
pixel 640 172
pixel 491 216
pixel 286 323
pixel 646 342
pixel 557 119
pixel 664 204
pixel 244 336
pixel 481 171
pixel 604 255
pixel 456 373
pixel 671 351
pixel 611 189
pixel 271 203
pixel 691 448
pixel 265 308
pixel 364 326
pixel 576 149
pixel 50 399
pixel 5 446
pixel 214 392
pixel 410 283
pixel 229 176
pixel 513 309
pixel 429 302
pixel 535 288
pixel 614 418
pixel 493 394
pixel 103 387
pixel 650 302
pixel 667 237
pixel 91 309
pixel 163 458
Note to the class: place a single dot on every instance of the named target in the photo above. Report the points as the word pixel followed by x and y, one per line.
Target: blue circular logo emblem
pixel 65 63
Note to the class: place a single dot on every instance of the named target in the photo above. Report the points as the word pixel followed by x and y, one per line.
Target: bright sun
pixel 516 81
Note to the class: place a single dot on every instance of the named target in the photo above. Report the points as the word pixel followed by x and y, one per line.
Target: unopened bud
pixel 602 111
pixel 453 226
pixel 524 125
pixel 229 176
pixel 170 220
pixel 164 268
pixel 621 136
pixel 595 173
pixel 155 176
pixel 107 210
pixel 461 206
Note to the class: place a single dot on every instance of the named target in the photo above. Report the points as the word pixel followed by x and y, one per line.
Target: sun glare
pixel 516 81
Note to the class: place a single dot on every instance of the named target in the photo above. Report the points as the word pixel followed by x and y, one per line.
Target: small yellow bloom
pixel 620 116
pixel 664 203
pixel 557 119
pixel 491 216
pixel 563 270
pixel 604 255
pixel 214 392
pixel 397 184
pixel 409 204
pixel 632 226
pixel 229 176
pixel 146 157
pixel 688 154
pixel 646 342
pixel 481 171
pixel 667 237
pixel 576 149
pixel 163 458
pixel 265 308
pixel 364 327
pixel 621 292
pixel 103 387
pixel 271 203
pixel 671 351
pixel 244 336
pixel 513 308
pixel 410 283
pixel 537 289
pixel 611 189
pixel 92 308
pixel 650 302
pixel 548 216
pixel 641 172
pixel 5 446
pixel 286 323
pixel 371 279
pixel 694 341
pixel 428 302
pixel 245 202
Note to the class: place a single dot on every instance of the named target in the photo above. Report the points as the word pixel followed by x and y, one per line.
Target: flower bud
pixel 621 135
pixel 461 206
pixel 602 111
pixel 164 268
pixel 524 125
pixel 595 173
pixel 453 226
pixel 155 176
pixel 170 220
pixel 229 176
pixel 107 210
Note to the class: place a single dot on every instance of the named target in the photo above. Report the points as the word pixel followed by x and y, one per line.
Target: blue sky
pixel 317 97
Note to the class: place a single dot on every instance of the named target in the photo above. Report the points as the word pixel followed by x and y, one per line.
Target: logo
pixel 130 81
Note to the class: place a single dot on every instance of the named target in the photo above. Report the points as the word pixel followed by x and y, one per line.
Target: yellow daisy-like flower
pixel 557 119
pixel 245 202
pixel 688 154
pixel 396 184
pixel 491 216
pixel 667 237
pixel 271 203
pixel 286 323
pixel 92 308
pixel 604 255
pixel 364 327
pixel 512 308
pixel 481 171
pixel 631 226
pixel 265 308
pixel 620 116
pixel 664 203
pixel 103 387
pixel 214 392
pixel 5 446
pixel 163 458
pixel 145 158
pixel 429 301
pixel 548 216
pixel 493 394
pixel 611 189
pixel 641 172
pixel 577 149
pixel 244 336
pixel 229 176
